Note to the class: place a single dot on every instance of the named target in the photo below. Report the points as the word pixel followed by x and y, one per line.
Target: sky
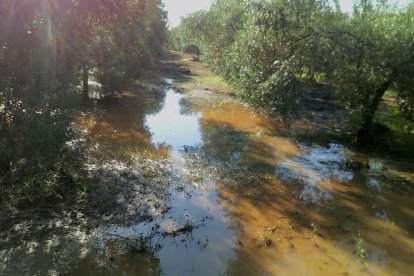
pixel 179 8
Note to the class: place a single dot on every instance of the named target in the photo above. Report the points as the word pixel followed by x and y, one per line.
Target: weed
pixel 41 154
pixel 362 252
pixel 265 239
pixel 314 229
pixel 188 227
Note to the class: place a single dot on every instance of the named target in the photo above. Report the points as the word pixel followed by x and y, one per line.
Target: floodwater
pixel 248 199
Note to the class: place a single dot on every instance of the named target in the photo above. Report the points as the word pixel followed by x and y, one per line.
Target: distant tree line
pixel 48 50
pixel 272 50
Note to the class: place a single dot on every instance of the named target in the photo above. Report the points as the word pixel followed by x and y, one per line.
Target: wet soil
pixel 186 180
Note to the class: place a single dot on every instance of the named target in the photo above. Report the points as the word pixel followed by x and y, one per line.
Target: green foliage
pixel 362 252
pixel 121 48
pixel 192 49
pixel 375 54
pixel 271 51
pixel 38 161
pixel 212 32
pixel 44 47
pixel 44 43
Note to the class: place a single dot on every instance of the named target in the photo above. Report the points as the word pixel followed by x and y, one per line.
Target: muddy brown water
pixel 248 199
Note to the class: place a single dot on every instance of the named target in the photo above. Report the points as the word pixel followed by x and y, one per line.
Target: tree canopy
pixel 47 48
pixel 271 50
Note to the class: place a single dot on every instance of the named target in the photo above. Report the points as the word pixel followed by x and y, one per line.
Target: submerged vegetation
pixel 274 52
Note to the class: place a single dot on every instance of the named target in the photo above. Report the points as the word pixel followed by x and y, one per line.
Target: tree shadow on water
pixel 323 197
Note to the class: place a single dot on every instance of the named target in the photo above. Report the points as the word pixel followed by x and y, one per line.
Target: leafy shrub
pixel 271 50
pixel 38 159
pixel 192 49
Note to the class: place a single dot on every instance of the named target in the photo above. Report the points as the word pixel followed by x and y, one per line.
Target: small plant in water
pixel 188 227
pixel 265 239
pixel 362 252
pixel 314 229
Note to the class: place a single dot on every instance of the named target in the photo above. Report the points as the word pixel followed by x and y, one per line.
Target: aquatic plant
pixel 362 252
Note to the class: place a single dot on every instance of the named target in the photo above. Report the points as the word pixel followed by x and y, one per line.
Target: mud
pixel 197 183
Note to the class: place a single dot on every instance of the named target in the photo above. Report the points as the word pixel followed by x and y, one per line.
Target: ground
pixel 233 175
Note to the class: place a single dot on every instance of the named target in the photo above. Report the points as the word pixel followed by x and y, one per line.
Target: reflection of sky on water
pixel 210 242
pixel 171 127
pixel 227 223
pixel 317 164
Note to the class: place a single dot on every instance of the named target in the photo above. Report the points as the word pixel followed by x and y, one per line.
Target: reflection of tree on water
pixel 270 222
pixel 223 142
pixel 122 256
pixel 187 107
pixel 119 127
pixel 229 155
pixel 233 153
pixel 348 200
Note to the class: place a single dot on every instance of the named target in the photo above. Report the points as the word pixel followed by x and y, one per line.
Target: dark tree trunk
pixel 364 135
pixel 85 80
pixel 4 165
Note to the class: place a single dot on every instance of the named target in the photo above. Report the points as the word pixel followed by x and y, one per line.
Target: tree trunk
pixel 85 80
pixel 4 165
pixel 364 135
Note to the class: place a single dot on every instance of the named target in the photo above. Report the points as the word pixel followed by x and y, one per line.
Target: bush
pixel 269 49
pixel 45 47
pixel 39 161
pixel 192 49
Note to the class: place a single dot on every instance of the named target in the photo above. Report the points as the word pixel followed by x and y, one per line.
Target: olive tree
pixel 370 53
pixel 281 47
pixel 213 31
pixel 46 47
pixel 273 50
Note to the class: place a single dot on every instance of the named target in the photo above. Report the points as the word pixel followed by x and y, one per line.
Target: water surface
pixel 248 199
